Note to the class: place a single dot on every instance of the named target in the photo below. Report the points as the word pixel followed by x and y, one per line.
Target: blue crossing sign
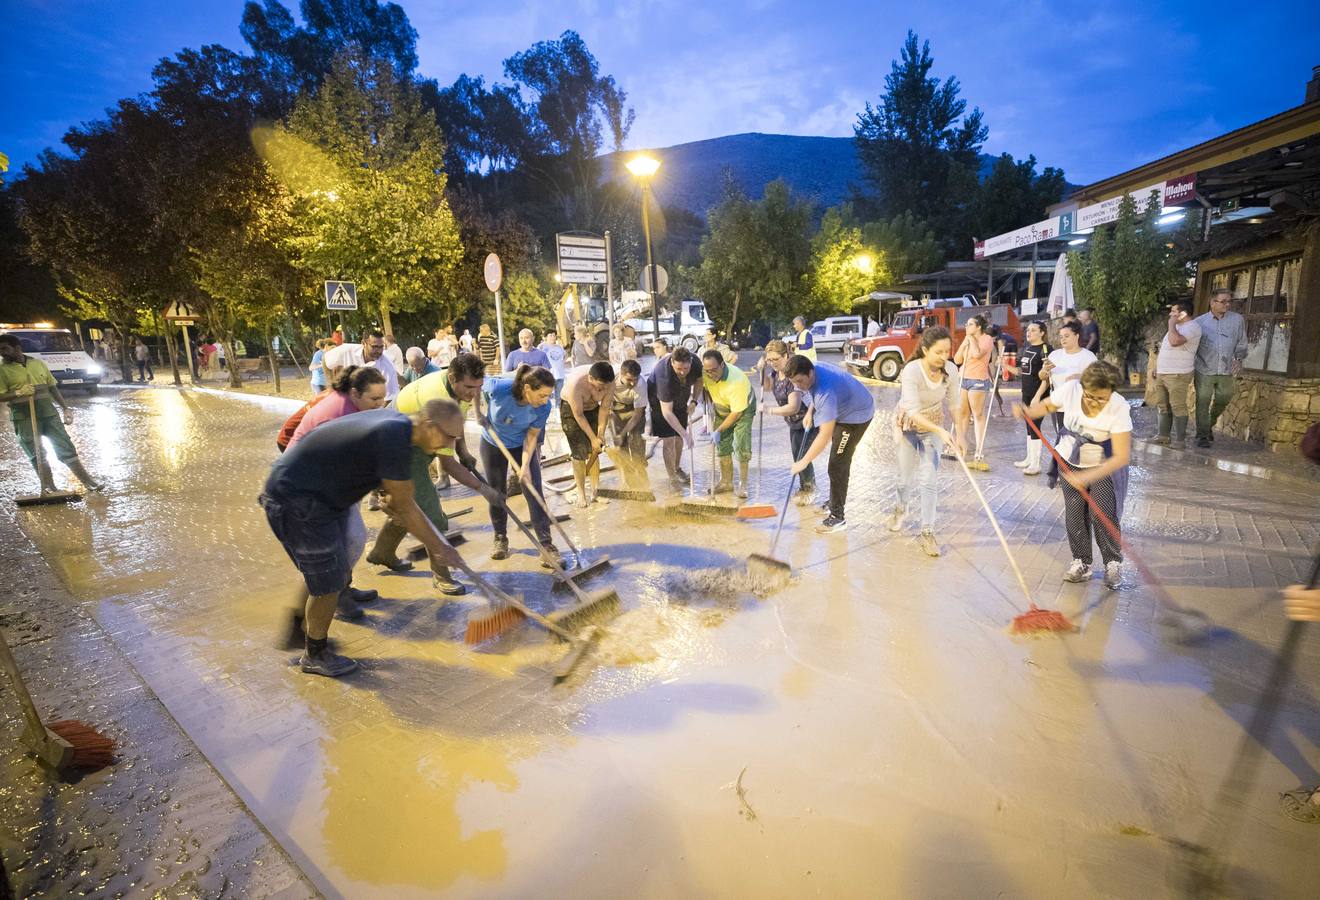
pixel 341 295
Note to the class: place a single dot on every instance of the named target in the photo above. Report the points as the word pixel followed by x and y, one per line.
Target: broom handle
pixel 559 574
pixel 517 470
pixel 714 449
pixel 989 404
pixel 994 523
pixel 494 593
pixel 35 726
pixel 783 512
pixel 38 451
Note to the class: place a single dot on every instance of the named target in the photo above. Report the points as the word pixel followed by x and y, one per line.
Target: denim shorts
pixel 976 384
pixel 315 537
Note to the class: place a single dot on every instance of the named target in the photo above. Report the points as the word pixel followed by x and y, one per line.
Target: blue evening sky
pixel 1095 88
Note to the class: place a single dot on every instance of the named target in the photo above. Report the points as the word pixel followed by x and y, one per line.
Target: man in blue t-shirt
pixel 313 488
pixel 526 353
pixel 839 407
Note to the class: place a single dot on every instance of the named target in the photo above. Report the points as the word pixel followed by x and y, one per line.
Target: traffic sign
pixel 661 279
pixel 340 295
pixel 583 258
pixel 181 313
pixel 494 272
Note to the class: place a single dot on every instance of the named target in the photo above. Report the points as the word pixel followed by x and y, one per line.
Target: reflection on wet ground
pixel 895 740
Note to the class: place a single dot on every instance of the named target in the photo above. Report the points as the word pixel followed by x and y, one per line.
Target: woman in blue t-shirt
pixel 514 410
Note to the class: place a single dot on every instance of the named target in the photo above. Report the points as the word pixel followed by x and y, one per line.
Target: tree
pixel 756 255
pixel 365 162
pixel 525 304
pixel 1013 195
pixel 843 266
pixel 919 148
pixel 909 246
pixel 1127 273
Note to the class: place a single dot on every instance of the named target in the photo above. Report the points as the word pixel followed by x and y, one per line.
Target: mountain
pixel 691 175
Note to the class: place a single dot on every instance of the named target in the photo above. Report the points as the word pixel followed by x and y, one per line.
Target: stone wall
pixel 1272 409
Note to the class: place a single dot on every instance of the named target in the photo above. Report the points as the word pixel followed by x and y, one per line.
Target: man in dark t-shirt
pixel 673 389
pixel 313 488
pixel 1090 330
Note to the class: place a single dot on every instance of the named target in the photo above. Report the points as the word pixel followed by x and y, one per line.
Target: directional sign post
pixel 494 273
pixel 181 314
pixel 583 258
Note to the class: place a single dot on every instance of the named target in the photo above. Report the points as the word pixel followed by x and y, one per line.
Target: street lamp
pixel 644 167
pixel 864 263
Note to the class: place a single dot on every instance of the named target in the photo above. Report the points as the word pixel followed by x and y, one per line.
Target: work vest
pixel 803 336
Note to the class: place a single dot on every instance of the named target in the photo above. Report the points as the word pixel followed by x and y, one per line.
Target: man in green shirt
pixel 460 383
pixel 23 377
pixel 731 394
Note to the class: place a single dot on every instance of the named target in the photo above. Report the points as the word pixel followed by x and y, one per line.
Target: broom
pixel 1192 625
pixel 1034 619
pixel 758 510
pixel 590 607
pixel 65 745
pixel 43 468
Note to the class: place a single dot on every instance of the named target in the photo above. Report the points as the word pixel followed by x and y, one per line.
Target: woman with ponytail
pixel 516 406
pixel 929 386
pixel 356 388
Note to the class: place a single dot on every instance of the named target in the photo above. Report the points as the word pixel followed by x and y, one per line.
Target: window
pixel 843 328
pixel 47 342
pixel 1267 297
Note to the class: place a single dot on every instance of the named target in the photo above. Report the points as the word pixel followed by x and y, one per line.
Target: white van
pixel 833 333
pixel 59 350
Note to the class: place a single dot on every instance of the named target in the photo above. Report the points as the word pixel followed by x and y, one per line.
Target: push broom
pixel 64 746
pixel 758 510
pixel 765 565
pixel 43 469
pixel 707 506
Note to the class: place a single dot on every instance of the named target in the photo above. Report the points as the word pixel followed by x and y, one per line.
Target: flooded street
pixel 872 729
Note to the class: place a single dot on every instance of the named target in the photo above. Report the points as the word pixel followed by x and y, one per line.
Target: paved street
pixel 872 729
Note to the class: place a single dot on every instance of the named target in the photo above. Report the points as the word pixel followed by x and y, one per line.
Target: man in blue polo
pixel 840 407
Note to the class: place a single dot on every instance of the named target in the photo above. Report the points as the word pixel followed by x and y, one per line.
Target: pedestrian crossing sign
pixel 340 295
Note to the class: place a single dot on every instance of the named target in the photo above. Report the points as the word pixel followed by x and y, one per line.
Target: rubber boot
pixel 743 465
pixel 725 484
pixel 1034 448
pixel 1166 424
pixel 385 551
pixel 76 467
pixel 1025 462
pixel 1179 441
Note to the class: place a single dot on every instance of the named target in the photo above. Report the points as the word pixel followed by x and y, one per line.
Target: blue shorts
pixel 316 538
pixel 976 384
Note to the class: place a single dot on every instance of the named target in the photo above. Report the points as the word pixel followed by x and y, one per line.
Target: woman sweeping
pixel 929 385
pixel 516 406
pixel 1095 439
pixel 1030 360
pixel 974 358
pixel 789 405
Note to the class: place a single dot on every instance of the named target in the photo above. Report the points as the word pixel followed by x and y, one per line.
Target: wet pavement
pixel 871 729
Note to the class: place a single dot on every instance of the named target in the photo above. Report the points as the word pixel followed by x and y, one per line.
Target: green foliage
pixel 756 255
pixel 378 214
pixel 1014 195
pixel 843 265
pixel 525 304
pixel 919 148
pixel 908 245
pixel 1127 273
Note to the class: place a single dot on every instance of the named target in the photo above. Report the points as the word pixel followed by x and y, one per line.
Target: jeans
pixel 1212 395
pixel 144 370
pixel 919 466
pixel 322 542
pixel 798 439
pixel 497 476
pixel 846 438
pixel 559 389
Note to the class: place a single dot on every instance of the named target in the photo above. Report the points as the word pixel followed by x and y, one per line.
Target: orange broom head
pixel 1036 620
pixel 483 628
pixel 759 511
pixel 91 749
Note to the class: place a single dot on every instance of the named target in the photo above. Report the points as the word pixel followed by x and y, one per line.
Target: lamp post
pixel 644 167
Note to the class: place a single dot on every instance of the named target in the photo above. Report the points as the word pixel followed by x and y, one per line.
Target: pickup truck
pixel 884 355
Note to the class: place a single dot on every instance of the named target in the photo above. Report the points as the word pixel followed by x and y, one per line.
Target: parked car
pixel 884 355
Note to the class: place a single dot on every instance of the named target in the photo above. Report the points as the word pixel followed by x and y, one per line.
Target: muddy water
pixel 893 739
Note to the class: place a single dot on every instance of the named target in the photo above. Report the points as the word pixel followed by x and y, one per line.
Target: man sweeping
pixel 672 391
pixel 460 383
pixel 627 416
pixel 314 487
pixel 840 408
pixel 23 377
pixel 731 397
pixel 584 412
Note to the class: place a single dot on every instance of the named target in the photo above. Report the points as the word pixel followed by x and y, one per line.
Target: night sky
pixel 1094 88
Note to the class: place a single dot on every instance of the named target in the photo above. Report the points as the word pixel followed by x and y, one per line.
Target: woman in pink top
pixel 974 357
pixel 357 388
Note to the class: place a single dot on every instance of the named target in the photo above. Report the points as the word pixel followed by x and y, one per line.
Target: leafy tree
pixel 907 244
pixel 919 148
pixel 31 292
pixel 756 255
pixel 1127 273
pixel 1013 195
pixel 525 304
pixel 365 161
pixel 843 266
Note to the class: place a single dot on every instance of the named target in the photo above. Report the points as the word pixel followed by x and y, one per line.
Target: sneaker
pixel 1031 470
pixel 1203 443
pixel 677 483
pixel 394 565
pixel 1113 574
pixel 346 608
pixel 740 492
pixel 929 545
pixel 831 525
pixel 980 465
pixel 501 548
pixel 552 558
pixel 360 596
pixel 1078 572
pixel 327 663
pixel 447 585
pixel 444 482
pixel 896 518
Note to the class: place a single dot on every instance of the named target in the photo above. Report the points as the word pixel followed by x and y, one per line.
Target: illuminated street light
pixel 864 263
pixel 644 167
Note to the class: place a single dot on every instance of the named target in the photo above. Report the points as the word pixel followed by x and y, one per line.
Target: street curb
pixel 1225 465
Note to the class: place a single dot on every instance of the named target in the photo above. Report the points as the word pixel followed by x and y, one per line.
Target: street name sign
pixel 341 295
pixel 583 259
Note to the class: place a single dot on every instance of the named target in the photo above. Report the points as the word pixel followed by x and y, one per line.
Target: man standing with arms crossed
pixel 734 408
pixel 1218 360
pixel 672 390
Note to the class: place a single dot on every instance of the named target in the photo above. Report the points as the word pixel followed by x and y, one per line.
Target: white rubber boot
pixel 1026 460
pixel 1034 448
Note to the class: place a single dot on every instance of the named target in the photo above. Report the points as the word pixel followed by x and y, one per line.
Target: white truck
pixel 59 350
pixel 686 327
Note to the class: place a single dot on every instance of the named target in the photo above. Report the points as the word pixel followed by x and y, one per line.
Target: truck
pixel 883 356
pixel 60 351
pixel 685 326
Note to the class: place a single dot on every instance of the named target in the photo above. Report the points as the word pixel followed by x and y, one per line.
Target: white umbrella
pixel 1061 289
